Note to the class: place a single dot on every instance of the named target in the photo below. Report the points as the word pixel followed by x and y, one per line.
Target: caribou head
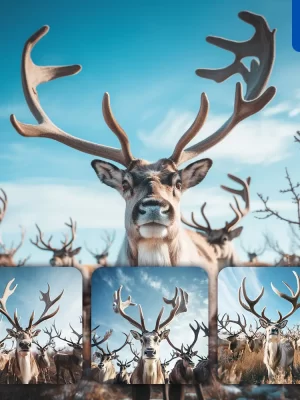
pixel 150 340
pixel 152 190
pixel 272 328
pixel 63 256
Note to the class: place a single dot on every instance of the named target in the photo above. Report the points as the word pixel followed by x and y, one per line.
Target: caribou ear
pixel 108 174
pixel 35 333
pixel 235 232
pixel 282 324
pixel 76 251
pixel 263 323
pixel 164 334
pixel 12 333
pixel 195 173
pixel 136 335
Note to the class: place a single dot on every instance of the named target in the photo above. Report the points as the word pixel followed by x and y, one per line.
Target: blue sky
pixel 144 55
pixel 230 280
pixel 27 294
pixel 147 286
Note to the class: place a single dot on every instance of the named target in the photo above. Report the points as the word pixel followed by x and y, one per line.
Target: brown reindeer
pixel 165 365
pixel 123 376
pixel 64 256
pixel 182 373
pixel 221 239
pixel 23 365
pixel 67 361
pixel 7 254
pixel 105 371
pixel 4 356
pixel 102 256
pixel 253 254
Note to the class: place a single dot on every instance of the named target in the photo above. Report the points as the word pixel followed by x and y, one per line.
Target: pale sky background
pixel 230 279
pixel 144 55
pixel 147 286
pixel 27 294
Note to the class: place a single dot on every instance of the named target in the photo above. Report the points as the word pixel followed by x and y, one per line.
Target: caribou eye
pixel 125 186
pixel 178 185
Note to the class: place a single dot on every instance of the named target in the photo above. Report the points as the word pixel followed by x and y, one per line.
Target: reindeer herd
pixel 149 368
pixel 21 363
pixel 267 339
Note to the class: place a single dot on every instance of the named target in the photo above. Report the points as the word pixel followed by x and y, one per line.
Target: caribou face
pixel 24 340
pixel 187 359
pixel 222 236
pixel 150 342
pixel 64 257
pixel 106 360
pixel 152 193
pixel 273 330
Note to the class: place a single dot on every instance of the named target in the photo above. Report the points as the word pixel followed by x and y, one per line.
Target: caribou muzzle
pixel 153 216
pixel 150 352
pixel 25 346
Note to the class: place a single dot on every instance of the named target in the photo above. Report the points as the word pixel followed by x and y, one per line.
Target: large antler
pixel 293 299
pixel 179 305
pixel 244 193
pixel 196 334
pixel 108 240
pixel 4 201
pixel 104 339
pixel 32 76
pixel 3 310
pixel 48 304
pixel 119 307
pixel 251 303
pixel 240 324
pixel 262 46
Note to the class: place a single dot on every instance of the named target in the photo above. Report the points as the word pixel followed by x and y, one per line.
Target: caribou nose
pixel 25 346
pixel 150 352
pixel 101 365
pixel 154 206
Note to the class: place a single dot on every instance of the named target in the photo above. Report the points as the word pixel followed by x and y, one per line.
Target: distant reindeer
pixel 4 356
pixel 68 361
pixel 253 254
pixel 182 373
pixel 102 256
pixel 278 355
pixel 221 239
pixel 7 254
pixel 285 259
pixel 23 364
pixel 43 361
pixel 105 372
pixel 123 376
pixel 232 343
pixel 63 256
pixel 165 365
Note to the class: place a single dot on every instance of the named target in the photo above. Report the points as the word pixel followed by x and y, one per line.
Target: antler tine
pixel 244 193
pixel 134 352
pixel 205 329
pixel 251 303
pixel 21 263
pixel 127 341
pixel 89 250
pixel 261 45
pixel 240 324
pixel 196 334
pixel 223 324
pixel 178 306
pixel 48 304
pixel 120 306
pixel 79 336
pixel 4 201
pixel 32 76
pixel 293 299
pixel 108 239
pixel 37 344
pixel 105 338
pixel 297 139
pixel 192 131
pixel 23 234
pixel 3 310
pixel 40 238
pixel 73 226
pixel 196 225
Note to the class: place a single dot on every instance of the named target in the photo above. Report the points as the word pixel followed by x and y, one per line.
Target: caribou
pixel 165 365
pixel 7 254
pixel 278 355
pixel 149 368
pixel 102 256
pixel 221 239
pixel 253 254
pixel 67 361
pixel 123 376
pixel 64 256
pixel 105 371
pixel 4 356
pixel 22 364
pixel 43 361
pixel 182 373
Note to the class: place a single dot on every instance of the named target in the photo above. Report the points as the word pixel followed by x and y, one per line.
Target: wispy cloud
pixel 261 141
